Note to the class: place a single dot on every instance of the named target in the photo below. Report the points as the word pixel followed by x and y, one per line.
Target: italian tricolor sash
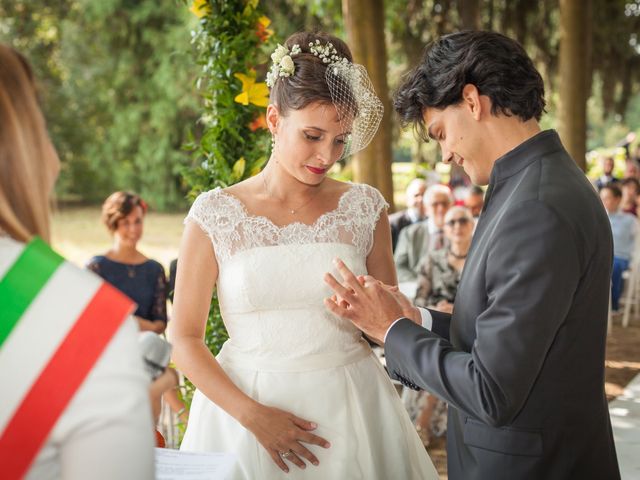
pixel 55 321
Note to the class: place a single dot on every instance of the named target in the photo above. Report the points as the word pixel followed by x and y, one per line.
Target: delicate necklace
pixel 293 211
pixel 131 270
pixel 459 257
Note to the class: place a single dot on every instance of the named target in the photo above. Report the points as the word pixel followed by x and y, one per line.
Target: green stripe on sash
pixel 23 281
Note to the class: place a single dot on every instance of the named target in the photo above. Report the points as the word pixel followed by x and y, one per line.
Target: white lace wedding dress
pixel 287 351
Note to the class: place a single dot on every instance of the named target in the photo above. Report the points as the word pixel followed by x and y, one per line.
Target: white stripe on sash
pixel 10 250
pixel 40 331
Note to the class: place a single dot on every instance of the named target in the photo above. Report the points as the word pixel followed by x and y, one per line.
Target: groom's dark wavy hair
pixel 498 66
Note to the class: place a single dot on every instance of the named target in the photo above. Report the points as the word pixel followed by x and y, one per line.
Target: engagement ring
pixel 286 454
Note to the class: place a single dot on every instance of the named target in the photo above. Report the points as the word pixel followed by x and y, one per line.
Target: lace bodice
pixel 270 281
pixel 232 229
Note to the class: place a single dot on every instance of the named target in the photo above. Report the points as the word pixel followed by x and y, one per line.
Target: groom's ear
pixel 471 99
pixel 273 116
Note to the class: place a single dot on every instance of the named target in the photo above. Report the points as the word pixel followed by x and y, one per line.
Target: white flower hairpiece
pixel 327 53
pixel 283 65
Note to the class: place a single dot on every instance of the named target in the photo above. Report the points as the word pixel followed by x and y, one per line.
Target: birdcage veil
pixel 359 108
pixel 352 94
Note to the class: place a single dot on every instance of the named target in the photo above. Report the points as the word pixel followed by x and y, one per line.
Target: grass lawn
pixel 78 234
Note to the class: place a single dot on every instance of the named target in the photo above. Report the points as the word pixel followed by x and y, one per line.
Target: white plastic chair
pixel 631 296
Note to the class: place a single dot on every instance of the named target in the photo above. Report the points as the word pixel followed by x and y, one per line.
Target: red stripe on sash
pixel 67 369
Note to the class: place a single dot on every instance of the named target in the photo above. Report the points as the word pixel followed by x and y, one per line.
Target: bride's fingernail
pixel 313 425
pixel 327 445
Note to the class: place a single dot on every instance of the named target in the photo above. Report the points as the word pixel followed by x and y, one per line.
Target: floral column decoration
pixel 233 42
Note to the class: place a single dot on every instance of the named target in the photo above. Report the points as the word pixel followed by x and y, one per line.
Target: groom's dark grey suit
pixel 521 361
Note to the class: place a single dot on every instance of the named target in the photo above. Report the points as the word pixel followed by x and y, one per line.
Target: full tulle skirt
pixel 355 406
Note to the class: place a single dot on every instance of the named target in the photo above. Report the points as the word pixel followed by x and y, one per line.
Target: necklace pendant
pixel 293 212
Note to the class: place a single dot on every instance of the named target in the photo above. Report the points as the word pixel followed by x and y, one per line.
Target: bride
pixel 294 387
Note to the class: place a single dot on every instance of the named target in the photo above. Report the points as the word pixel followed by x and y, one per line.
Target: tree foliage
pixel 232 43
pixel 117 81
pixel 117 90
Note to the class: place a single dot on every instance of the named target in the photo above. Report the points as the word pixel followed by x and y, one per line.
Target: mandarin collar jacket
pixel 520 361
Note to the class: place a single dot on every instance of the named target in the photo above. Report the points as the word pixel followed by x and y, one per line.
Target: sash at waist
pixel 231 356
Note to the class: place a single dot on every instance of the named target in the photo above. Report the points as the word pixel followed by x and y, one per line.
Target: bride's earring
pixel 273 143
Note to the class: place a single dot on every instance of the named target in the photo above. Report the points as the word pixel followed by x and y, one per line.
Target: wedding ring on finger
pixel 285 454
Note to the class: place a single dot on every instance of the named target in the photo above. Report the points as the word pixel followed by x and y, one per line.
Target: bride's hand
pixel 281 432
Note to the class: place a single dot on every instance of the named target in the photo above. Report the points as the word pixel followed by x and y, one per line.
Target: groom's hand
pixel 408 310
pixel 370 305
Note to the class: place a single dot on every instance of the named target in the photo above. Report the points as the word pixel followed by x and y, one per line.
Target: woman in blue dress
pixel 125 267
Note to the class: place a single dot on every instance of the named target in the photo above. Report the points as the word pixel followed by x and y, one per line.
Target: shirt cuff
pixel 427 321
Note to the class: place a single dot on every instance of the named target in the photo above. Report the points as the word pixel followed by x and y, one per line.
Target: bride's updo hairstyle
pixel 307 84
pixel 318 68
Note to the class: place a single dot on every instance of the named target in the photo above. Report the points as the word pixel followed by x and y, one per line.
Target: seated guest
pixel 417 240
pixel 623 227
pixel 631 169
pixel 474 201
pixel 74 399
pixel 140 278
pixel 440 272
pixel 413 213
pixel 630 190
pixel 437 287
pixel 636 155
pixel 607 173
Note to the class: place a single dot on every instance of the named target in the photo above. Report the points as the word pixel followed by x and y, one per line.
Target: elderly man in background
pixel 415 211
pixel 417 240
pixel 474 201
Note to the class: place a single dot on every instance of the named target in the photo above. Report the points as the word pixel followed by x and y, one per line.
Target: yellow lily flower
pixel 252 92
pixel 249 7
pixel 262 29
pixel 238 168
pixel 200 8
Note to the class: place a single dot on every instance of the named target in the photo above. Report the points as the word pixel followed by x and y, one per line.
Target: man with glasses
pixel 474 201
pixel 417 240
pixel 413 213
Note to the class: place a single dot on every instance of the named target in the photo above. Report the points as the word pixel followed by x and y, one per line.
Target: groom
pixel 521 360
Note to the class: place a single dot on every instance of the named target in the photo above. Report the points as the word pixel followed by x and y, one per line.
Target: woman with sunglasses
pixel 440 272
pixel 437 285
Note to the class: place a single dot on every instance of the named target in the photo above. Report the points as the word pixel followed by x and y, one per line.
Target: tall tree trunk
pixel 364 22
pixel 469 12
pixel 506 20
pixel 440 12
pixel 608 88
pixel 627 86
pixel 573 72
